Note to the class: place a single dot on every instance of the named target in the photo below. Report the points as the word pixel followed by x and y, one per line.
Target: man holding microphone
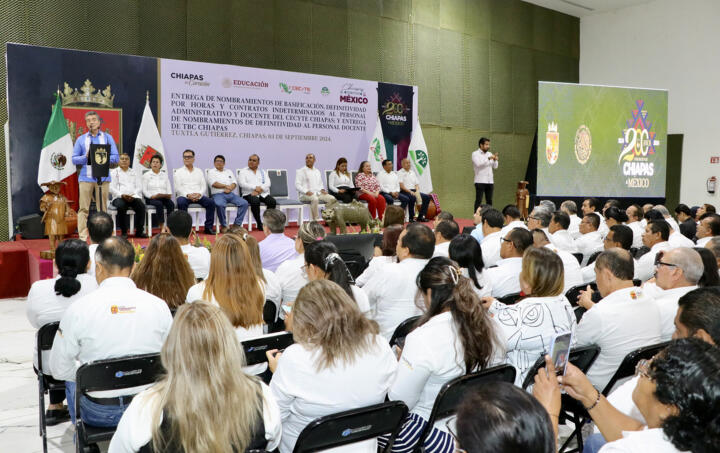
pixel 484 162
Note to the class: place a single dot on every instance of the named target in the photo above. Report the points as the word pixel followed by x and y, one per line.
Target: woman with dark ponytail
pixel 322 261
pixel 48 300
pixel 454 337
pixel 465 251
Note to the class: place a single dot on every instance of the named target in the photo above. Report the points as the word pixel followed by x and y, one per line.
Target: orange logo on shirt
pixel 114 309
pixel 633 295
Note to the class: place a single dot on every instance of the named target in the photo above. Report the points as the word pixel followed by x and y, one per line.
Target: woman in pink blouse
pixel 370 190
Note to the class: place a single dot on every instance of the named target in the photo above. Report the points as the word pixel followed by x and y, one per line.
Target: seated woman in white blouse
pixel 203 402
pixel 338 362
pixel 384 254
pixel 291 273
pixel 454 337
pixel 529 325
pixel 466 252
pixel 677 393
pixel 340 182
pixel 48 300
pixel 233 285
pixel 322 261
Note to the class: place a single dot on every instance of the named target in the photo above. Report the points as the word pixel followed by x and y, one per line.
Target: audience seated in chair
pixel 656 239
pixel 466 252
pixel 711 275
pixel 384 254
pixel 116 320
pixel 618 236
pixel 504 277
pixel 164 271
pixel 292 274
pixel 179 223
pixel 100 227
pixel 590 240
pixel 226 406
pixel 492 226
pixel 276 248
pixel 338 361
pixel 445 231
pixel 571 267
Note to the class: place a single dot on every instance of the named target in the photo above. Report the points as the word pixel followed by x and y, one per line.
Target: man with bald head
pixel 255 184
pixel 409 184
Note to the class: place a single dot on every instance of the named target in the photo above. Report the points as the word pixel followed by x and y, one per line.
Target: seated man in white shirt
pixel 491 224
pixel 190 187
pixel 444 233
pixel 126 193
pixel 477 232
pixel 624 320
pixel 635 215
pixel 504 278
pixel 571 267
pixel 539 219
pixel 591 240
pixel 656 239
pixel 677 272
pixel 310 187
pixel 255 184
pixel 409 184
pixel 619 236
pixel 277 247
pixel 559 234
pixel 570 208
pixel 390 186
pixel 708 228
pixel 668 218
pixel 513 219
pixel 392 289
pixel 179 223
pixel 113 321
pixel 223 186
pixel 592 205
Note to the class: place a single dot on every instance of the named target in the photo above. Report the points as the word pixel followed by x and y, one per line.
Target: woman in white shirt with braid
pixel 339 182
pixel 455 336
pixel 529 325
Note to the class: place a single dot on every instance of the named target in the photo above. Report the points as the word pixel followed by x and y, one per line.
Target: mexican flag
pixel 418 155
pixel 148 142
pixel 57 150
pixel 377 152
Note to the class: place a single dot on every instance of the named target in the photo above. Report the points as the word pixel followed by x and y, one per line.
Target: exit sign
pixel 715 159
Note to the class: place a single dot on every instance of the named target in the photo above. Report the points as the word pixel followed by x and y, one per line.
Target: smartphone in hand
pixel 560 351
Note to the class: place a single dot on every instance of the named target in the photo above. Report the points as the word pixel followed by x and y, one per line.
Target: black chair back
pixel 255 349
pixel 44 338
pixel 510 299
pixel 627 366
pixel 468 230
pixel 402 330
pixel 641 251
pixel 593 257
pixel 578 256
pixel 278 183
pixel 453 393
pixel 352 426
pixel 269 312
pixel 582 357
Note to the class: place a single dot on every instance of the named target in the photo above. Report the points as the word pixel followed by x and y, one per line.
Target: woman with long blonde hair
pixel 164 271
pixel 202 403
pixel 272 284
pixel 338 362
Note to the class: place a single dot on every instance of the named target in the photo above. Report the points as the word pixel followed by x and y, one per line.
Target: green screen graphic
pixel 601 141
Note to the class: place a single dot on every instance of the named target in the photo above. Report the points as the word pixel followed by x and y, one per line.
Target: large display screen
pixel 601 141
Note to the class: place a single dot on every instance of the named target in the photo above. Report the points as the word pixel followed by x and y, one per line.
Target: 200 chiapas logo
pixel 638 144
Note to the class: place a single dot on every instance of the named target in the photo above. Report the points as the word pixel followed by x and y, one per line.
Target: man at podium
pixel 88 183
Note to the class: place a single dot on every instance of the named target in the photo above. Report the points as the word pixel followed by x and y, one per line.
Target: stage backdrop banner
pixel 601 141
pixel 281 116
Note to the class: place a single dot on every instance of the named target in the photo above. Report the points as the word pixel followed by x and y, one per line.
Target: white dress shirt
pixel 483 166
pixel 442 249
pixel 667 303
pixel 703 241
pixel 43 306
pixel 620 323
pixel 563 240
pixel 432 355
pixel 198 258
pixel 115 320
pixel 273 290
pixel 505 277
pixel 187 182
pixel 249 180
pixel 527 328
pixel 407 179
pixel 223 177
pixel 574 227
pixel 673 224
pixel 389 182
pixel 342 180
pixel 677 239
pixel 375 263
pixel 490 247
pixel 136 425
pixel 589 243
pixel 510 226
pixel 644 441
pixel 638 231
pixel 292 278
pixel 124 183
pixel 361 299
pixel 485 289
pixel 603 229
pixel 155 183
pixel 646 264
pixel 571 267
pixel 92 248
pixel 308 180
pixel 621 399
pixel 304 392
pixel 391 293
